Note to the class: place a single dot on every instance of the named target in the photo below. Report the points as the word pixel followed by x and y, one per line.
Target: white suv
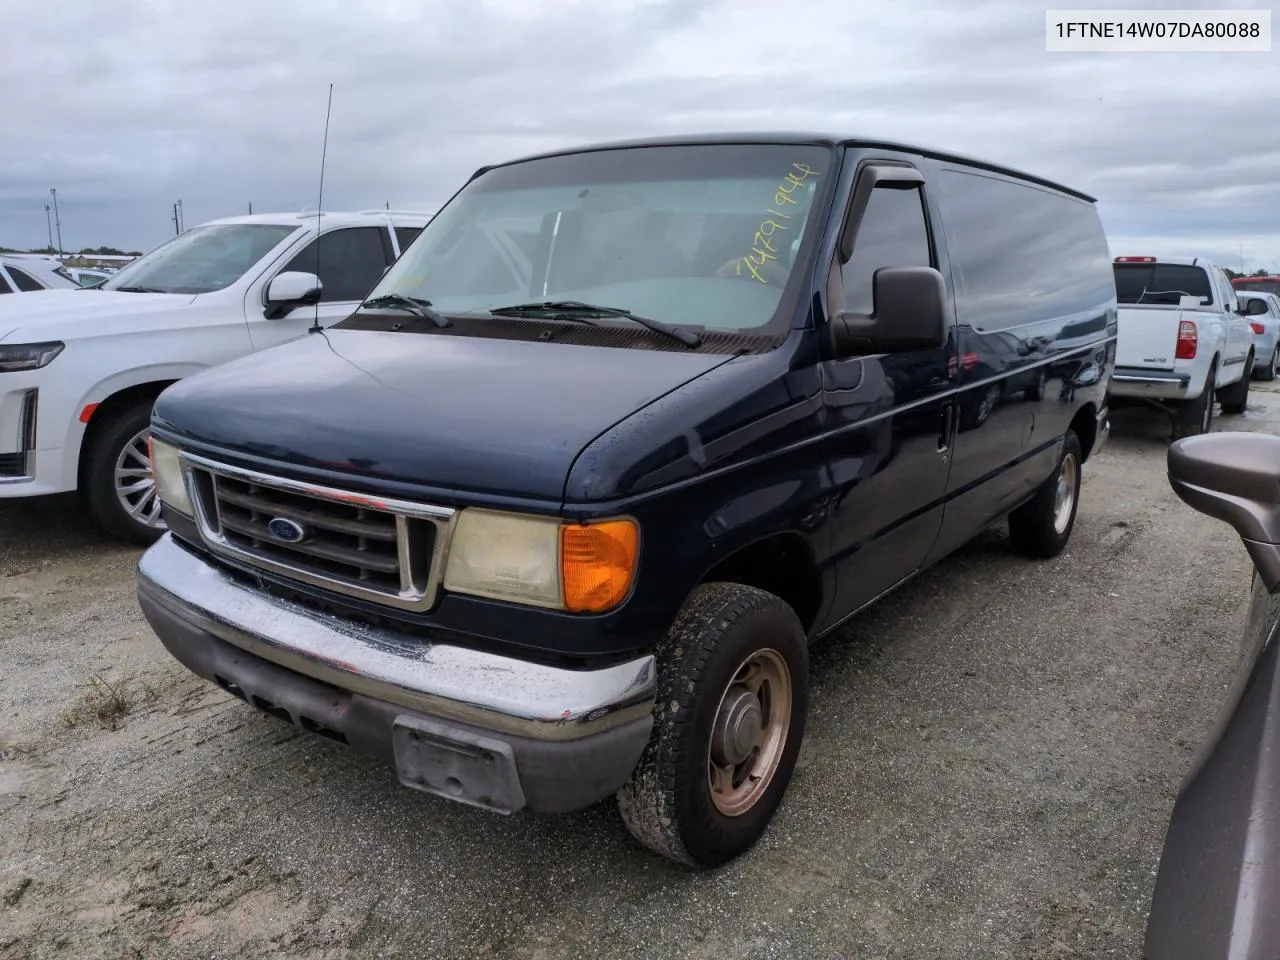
pixel 80 368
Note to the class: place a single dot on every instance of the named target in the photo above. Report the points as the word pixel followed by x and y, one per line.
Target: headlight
pixel 167 470
pixel 585 568
pixel 28 356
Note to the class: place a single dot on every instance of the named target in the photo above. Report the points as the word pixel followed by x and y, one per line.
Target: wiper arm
pixel 140 290
pixel 415 305
pixel 573 309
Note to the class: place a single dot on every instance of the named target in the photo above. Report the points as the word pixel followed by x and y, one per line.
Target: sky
pixel 125 107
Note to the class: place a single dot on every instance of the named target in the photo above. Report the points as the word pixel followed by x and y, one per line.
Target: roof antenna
pixel 315 326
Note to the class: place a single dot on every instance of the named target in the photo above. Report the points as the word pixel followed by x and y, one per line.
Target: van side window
pixel 893 233
pixel 1021 253
pixel 4 285
pixel 352 260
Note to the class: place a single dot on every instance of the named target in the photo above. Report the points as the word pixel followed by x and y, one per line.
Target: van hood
pixel 450 413
pixel 24 316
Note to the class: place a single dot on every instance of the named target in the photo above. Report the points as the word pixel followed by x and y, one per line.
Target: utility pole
pixel 251 208
pixel 388 203
pixel 181 223
pixel 48 222
pixel 1242 259
pixel 174 217
pixel 56 219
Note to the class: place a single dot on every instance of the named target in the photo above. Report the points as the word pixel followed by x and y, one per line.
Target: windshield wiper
pixel 140 290
pixel 415 305
pixel 574 309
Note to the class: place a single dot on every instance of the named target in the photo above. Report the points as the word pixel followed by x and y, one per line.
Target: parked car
pixel 1263 313
pixel 1183 342
pixel 1256 284
pixel 80 368
pixel 31 275
pixel 85 276
pixel 1219 878
pixel 557 512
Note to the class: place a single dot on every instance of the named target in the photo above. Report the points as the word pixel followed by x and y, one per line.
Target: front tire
pixel 1042 526
pixel 733 681
pixel 119 483
pixel 1268 372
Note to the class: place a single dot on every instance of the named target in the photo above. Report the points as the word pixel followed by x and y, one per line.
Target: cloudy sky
pixel 127 106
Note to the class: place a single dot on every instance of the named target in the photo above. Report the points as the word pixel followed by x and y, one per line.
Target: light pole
pixel 48 222
pixel 56 219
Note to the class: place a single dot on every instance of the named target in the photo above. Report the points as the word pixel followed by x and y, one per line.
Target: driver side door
pixel 351 261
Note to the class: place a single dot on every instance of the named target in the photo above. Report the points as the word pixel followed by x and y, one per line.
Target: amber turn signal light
pixel 598 564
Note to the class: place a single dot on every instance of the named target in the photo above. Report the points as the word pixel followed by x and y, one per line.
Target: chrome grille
pixel 389 551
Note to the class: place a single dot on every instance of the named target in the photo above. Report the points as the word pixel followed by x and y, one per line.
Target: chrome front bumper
pixel 569 737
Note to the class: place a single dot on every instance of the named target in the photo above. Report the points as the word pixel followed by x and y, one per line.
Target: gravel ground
pixel 991 759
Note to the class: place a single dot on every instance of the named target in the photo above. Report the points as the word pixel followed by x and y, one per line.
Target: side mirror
pixel 1235 477
pixel 290 289
pixel 1253 308
pixel 910 312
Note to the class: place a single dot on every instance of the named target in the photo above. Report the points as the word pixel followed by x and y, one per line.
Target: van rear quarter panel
pixel 1036 317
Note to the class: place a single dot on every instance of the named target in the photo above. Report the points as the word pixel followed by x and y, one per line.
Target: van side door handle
pixel 946 425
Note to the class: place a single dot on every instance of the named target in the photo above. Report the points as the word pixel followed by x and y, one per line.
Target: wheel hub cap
pixel 1064 494
pixel 135 484
pixel 738 727
pixel 749 733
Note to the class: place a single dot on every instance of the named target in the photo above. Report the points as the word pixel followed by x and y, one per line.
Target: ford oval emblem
pixel 286 530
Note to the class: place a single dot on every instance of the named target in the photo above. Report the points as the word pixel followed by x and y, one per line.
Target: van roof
pixel 815 139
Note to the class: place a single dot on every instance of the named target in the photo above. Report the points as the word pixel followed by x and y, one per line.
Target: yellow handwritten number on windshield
pixel 764 247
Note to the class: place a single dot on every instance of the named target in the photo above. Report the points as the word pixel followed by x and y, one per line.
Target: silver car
pixel 1264 319
pixel 1218 886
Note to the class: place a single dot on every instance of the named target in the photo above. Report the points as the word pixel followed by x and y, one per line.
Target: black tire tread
pixel 1031 525
pixel 1269 371
pixel 1187 418
pixel 1235 398
pixel 99 478
pixel 648 801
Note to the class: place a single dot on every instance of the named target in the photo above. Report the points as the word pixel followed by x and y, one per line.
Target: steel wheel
pixel 135 484
pixel 749 733
pixel 1064 496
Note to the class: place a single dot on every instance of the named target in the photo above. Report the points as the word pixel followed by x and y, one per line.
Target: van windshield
pixel 202 259
pixel 695 235
pixel 1161 283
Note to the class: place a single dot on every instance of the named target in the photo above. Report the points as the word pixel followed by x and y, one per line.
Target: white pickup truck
pixel 80 368
pixel 1183 340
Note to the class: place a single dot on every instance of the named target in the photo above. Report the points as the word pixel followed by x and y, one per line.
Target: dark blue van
pixel 555 514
